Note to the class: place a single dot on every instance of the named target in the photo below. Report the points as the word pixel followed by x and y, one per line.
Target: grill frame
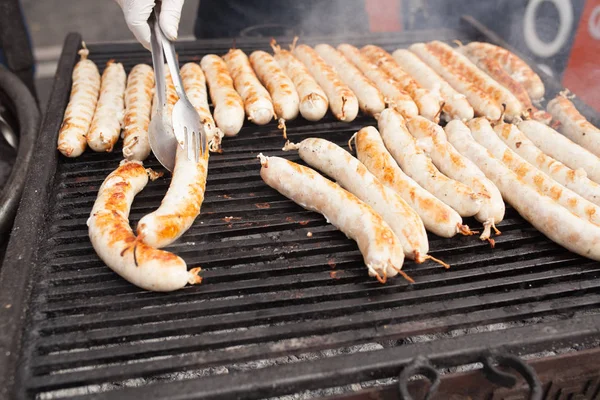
pixel 28 247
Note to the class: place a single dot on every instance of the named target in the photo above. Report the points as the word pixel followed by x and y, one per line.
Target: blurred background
pixel 563 36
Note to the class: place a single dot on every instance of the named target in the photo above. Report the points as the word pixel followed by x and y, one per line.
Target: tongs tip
pixel 194 149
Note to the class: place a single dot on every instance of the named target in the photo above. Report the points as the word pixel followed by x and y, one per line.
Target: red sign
pixel 384 15
pixel 582 75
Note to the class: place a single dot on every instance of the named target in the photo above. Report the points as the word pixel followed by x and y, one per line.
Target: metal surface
pixel 280 311
pixel 160 131
pixel 8 134
pixel 568 376
pixel 419 366
pixel 185 119
pixel 15 95
pixel 491 369
pixel 492 364
pixel 15 43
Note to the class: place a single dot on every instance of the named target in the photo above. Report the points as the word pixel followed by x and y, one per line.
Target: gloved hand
pixel 137 13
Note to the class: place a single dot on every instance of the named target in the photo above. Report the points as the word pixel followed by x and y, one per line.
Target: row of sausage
pixel 435 180
pixel 430 79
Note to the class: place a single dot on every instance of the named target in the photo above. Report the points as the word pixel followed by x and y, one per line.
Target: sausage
pixel 437 217
pixel 428 103
pixel 180 206
pixel 377 242
pixel 115 243
pixel 257 101
pixel 392 91
pixel 353 176
pixel 517 68
pixel 455 106
pixel 492 67
pixel 419 167
pixel 547 216
pixel 462 65
pixel 574 125
pixel 138 107
pixel 482 102
pixel 313 100
pixel 576 180
pixel 370 99
pixel 110 110
pixel 484 134
pixel 342 100
pixel 280 86
pixel 228 105
pixel 80 110
pixel 194 84
pixel 561 148
pixel 450 162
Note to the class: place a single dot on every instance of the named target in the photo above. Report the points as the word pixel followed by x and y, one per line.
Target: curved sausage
pixel 353 176
pixel 180 206
pixel 313 100
pixel 437 217
pixel 377 242
pixel 428 103
pixel 419 167
pixel 492 67
pixel 547 216
pixel 462 65
pixel 449 161
pixel 391 89
pixel 110 110
pixel 484 134
pixel 138 107
pixel 342 101
pixel 80 110
pixel 115 244
pixel 576 180
pixel 482 102
pixel 455 106
pixel 574 125
pixel 517 68
pixel 370 99
pixel 194 85
pixel 257 101
pixel 561 148
pixel 280 86
pixel 228 105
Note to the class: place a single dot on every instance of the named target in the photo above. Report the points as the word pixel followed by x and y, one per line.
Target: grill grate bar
pixel 518 231
pixel 477 269
pixel 511 338
pixel 102 332
pixel 554 299
pixel 79 282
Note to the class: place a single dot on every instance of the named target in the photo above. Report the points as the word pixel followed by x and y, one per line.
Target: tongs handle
pixel 158 61
pixel 168 49
pixel 170 55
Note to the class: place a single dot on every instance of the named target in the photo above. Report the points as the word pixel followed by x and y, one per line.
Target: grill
pixel 279 311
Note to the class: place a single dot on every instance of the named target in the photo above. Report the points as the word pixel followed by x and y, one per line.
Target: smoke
pixel 234 18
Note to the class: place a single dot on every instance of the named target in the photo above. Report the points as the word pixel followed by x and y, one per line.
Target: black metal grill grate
pixel 270 291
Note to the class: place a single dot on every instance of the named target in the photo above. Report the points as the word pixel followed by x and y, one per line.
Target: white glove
pixel 137 13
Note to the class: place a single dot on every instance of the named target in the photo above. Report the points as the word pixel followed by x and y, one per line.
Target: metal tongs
pixel 184 128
